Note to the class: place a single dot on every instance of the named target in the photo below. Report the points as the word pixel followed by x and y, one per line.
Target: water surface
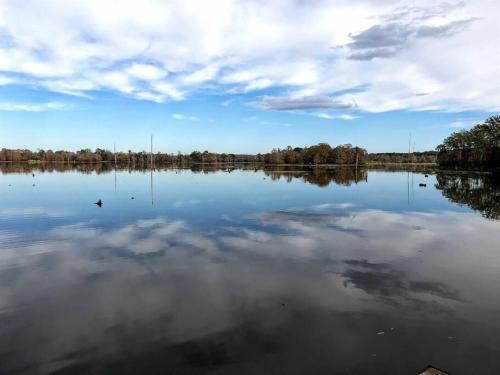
pixel 243 271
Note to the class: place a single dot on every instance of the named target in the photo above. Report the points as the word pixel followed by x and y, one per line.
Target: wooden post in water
pixel 151 152
pixel 114 154
pixel 356 165
pixel 409 147
pixel 151 156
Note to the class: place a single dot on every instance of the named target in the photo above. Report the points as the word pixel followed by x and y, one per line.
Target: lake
pixel 248 271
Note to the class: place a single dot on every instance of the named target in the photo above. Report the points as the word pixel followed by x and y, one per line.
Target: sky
pixel 245 76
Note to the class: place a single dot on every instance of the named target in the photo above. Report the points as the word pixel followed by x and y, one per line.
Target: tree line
pixel 479 146
pixel 425 157
pixel 321 153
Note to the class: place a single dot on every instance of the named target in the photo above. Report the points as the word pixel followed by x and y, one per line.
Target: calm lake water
pixel 248 272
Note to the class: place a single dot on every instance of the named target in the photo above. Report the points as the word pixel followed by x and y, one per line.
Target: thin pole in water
pixel 412 172
pixel 151 155
pixel 114 153
pixel 151 152
pixel 408 172
pixel 409 147
pixel 356 165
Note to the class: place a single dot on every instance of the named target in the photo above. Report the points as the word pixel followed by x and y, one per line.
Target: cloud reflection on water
pixel 168 282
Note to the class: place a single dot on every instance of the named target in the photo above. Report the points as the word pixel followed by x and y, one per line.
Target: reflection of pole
pixel 408 186
pixel 412 191
pixel 152 196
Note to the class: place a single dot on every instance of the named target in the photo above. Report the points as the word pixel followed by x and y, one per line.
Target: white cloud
pixel 181 117
pixel 146 72
pixel 168 90
pixel 29 107
pixel 6 80
pixel 463 123
pixel 328 116
pixel 347 117
pixel 324 116
pixel 404 56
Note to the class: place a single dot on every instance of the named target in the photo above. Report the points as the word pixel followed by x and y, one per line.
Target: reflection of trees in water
pixel 316 176
pixel 319 176
pixel 109 167
pixel 480 192
pixel 21 167
pixel 59 167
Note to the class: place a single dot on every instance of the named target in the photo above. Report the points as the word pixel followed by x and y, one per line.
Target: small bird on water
pixel 98 203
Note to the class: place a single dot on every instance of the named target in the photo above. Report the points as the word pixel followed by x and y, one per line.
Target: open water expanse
pixel 244 271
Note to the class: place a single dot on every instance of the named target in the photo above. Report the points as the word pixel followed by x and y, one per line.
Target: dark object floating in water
pixel 430 370
pixel 132 198
pixel 33 175
pixel 426 175
pixel 98 203
pixel 33 185
pixel 422 185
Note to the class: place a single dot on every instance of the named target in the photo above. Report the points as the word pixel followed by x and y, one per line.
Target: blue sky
pixel 234 76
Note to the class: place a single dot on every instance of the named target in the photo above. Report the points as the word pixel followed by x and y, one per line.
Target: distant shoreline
pixel 366 164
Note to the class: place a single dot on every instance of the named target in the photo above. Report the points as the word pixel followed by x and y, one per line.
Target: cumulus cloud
pixel 159 51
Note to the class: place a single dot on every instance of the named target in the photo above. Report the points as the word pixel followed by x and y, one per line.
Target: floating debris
pixel 430 370
pixel 381 333
pixel 98 203
pixel 422 185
